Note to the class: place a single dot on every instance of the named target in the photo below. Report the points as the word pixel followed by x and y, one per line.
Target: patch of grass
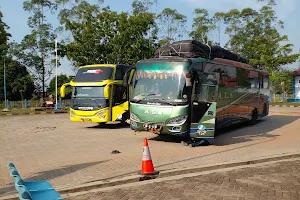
pixel 23 111
pixel 18 111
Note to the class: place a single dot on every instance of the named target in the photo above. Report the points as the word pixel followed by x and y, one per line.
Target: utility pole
pixel 56 73
pixel 5 100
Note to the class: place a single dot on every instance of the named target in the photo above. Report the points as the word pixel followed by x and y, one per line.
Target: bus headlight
pixel 177 120
pixel 133 117
pixel 98 114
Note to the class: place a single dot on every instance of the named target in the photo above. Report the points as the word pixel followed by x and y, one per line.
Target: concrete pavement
pixel 70 154
pixel 272 180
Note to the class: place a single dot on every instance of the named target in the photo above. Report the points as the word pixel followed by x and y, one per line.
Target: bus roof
pixel 234 63
pixel 165 58
pixel 99 65
pixel 219 60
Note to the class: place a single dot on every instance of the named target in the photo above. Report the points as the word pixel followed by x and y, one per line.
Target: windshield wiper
pixel 98 105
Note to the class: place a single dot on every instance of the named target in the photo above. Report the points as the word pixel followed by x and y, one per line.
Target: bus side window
pixel 266 82
pixel 221 69
pixel 253 79
pixel 231 76
pixel 119 72
pixel 242 79
pixel 261 81
pixel 119 95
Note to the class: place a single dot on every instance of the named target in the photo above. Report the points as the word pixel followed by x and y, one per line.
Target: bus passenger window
pixel 119 73
pixel 266 82
pixel 231 76
pixel 242 79
pixel 253 79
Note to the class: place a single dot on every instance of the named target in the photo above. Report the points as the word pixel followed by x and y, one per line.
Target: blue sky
pixel 16 17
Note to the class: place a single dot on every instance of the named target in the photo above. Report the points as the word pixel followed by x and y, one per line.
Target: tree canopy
pixel 61 79
pixel 95 34
pixel 4 36
pixel 19 84
pixel 255 35
pixel 105 36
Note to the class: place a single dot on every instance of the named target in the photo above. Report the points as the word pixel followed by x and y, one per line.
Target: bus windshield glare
pixel 160 81
pixel 84 97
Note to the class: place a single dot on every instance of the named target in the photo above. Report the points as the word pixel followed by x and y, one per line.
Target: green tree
pixel 4 37
pixel 20 85
pixel 202 26
pixel 36 48
pixel 16 74
pixel 141 6
pixel 255 35
pixel 104 36
pixel 172 25
pixel 61 79
pixel 282 76
pixel 14 70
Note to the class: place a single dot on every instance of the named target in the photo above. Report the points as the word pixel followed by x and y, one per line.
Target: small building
pixel 296 86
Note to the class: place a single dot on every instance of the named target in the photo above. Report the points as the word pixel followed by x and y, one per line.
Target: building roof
pixel 296 72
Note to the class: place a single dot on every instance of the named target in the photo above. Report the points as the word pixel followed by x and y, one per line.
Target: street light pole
pixel 5 100
pixel 56 73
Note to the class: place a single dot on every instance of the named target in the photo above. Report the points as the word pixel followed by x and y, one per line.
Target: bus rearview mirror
pixel 63 90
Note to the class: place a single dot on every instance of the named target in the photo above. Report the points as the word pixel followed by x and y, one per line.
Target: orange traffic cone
pixel 147 165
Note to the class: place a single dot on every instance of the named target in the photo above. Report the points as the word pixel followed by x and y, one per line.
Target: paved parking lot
pixel 274 181
pixel 65 153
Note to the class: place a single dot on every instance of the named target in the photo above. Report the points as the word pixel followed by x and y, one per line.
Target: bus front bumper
pixel 159 128
pixel 100 116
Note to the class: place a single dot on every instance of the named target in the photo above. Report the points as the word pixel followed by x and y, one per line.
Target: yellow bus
pixel 99 94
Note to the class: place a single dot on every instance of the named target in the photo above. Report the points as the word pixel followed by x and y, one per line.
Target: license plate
pixel 86 119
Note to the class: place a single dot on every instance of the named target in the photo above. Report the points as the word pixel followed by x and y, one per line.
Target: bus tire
pixel 254 117
pixel 125 117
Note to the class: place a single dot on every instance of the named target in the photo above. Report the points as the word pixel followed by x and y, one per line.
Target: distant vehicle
pixel 98 93
pixel 192 96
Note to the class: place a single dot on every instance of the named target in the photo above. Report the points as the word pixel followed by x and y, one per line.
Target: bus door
pixel 204 101
pixel 119 102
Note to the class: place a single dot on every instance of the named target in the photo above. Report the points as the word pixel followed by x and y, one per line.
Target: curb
pixel 171 178
pixel 286 106
pixel 168 173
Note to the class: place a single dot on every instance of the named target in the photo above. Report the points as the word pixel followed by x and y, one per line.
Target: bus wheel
pixel 254 117
pixel 125 117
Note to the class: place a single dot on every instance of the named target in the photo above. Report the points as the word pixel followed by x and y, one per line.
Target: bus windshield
pixel 164 82
pixel 88 98
pixel 93 74
pixel 88 92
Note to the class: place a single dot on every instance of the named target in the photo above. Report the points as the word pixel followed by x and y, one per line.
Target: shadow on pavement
pixel 168 138
pixel 110 126
pixel 48 175
pixel 241 132
pixel 244 133
pixel 234 134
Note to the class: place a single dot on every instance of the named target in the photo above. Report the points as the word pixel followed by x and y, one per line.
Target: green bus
pixel 195 96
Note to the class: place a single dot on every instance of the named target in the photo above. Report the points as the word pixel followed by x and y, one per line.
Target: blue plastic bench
pixel 33 190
